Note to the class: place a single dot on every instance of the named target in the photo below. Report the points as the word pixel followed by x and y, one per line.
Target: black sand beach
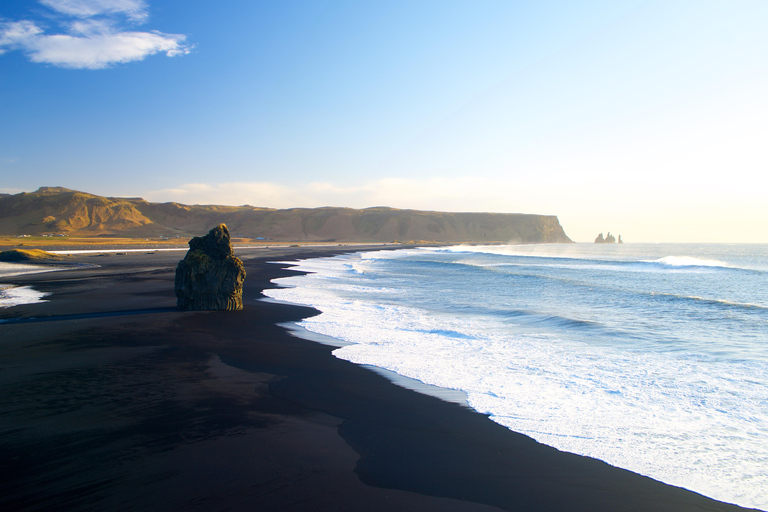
pixel 111 399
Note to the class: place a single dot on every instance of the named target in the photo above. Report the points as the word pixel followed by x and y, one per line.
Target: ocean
pixel 650 357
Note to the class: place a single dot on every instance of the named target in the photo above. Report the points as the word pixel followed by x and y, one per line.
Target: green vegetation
pixel 18 255
pixel 199 259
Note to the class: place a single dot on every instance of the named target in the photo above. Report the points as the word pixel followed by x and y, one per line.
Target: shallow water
pixel 16 295
pixel 11 295
pixel 16 269
pixel 651 357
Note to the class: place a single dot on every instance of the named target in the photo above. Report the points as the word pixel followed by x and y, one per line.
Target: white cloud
pixel 94 39
pixel 90 27
pixel 136 10
pixel 18 32
pixel 101 50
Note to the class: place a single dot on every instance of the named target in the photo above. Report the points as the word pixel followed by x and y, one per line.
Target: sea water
pixel 653 358
pixel 17 269
pixel 11 295
pixel 16 295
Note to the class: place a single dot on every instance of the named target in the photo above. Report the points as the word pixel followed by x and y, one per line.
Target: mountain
pixel 61 210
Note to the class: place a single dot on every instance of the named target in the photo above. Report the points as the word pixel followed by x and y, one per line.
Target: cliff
pixel 60 210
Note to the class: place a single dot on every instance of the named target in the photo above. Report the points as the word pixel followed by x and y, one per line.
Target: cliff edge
pixel 57 210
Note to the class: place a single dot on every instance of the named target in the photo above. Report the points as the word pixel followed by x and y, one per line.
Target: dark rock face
pixel 210 276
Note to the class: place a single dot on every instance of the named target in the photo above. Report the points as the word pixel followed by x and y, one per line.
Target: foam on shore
pixel 17 269
pixel 16 295
pixel 576 374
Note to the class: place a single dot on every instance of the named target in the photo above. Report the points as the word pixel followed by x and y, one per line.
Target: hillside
pixel 57 210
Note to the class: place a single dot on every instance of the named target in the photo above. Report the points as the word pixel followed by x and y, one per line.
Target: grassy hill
pixel 57 210
pixel 29 255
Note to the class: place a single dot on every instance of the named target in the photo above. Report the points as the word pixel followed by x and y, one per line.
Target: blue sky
pixel 645 118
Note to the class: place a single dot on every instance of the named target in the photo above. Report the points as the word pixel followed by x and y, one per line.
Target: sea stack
pixel 210 277
pixel 610 239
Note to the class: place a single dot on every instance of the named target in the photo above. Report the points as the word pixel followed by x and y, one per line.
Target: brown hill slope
pixel 60 210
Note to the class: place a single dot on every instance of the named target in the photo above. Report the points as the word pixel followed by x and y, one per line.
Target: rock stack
pixel 210 276
pixel 610 239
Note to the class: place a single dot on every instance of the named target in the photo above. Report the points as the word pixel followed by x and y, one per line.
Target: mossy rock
pixel 210 277
pixel 19 255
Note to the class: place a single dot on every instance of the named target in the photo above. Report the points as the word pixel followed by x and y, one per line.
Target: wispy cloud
pixel 93 34
pixel 456 194
pixel 136 10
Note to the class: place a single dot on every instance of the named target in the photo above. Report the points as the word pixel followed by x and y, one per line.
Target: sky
pixel 647 119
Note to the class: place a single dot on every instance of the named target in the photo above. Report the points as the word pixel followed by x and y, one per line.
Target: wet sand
pixel 111 399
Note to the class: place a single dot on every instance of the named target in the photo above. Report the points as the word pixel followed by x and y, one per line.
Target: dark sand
pixel 113 400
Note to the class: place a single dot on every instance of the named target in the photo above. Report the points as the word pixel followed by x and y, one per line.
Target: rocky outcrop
pixel 210 276
pixel 609 239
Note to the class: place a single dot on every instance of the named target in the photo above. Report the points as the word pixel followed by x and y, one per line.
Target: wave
pixel 690 264
pixel 556 321
pixel 689 261
pixel 537 250
pixel 536 359
pixel 528 317
pixel 666 263
pixel 709 301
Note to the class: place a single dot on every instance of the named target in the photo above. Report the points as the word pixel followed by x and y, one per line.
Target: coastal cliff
pixel 57 210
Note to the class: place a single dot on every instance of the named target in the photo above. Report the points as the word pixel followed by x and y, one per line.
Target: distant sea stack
pixel 609 239
pixel 210 277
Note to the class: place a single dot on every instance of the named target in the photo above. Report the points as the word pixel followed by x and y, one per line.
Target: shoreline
pixel 135 405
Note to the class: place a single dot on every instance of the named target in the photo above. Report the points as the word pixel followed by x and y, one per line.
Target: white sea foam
pixel 689 261
pixel 11 295
pixel 16 269
pixel 677 416
pixel 16 295
pixel 538 250
pixel 600 254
